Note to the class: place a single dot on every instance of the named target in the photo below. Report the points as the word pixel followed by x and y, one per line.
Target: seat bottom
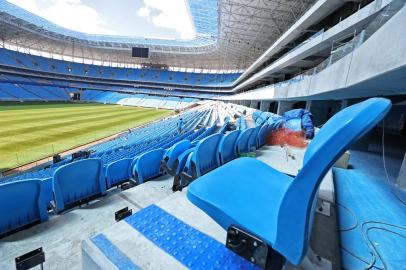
pixel 244 192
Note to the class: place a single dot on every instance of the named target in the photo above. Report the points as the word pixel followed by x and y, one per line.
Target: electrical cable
pixel 355 225
pixel 371 246
pixel 365 232
pixel 358 257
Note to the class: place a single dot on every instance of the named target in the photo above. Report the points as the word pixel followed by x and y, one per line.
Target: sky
pixel 168 19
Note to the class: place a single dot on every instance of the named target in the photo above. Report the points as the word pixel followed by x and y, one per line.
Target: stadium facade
pixel 314 90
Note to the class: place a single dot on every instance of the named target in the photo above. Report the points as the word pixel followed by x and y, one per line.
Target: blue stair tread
pixel 189 246
pixel 367 209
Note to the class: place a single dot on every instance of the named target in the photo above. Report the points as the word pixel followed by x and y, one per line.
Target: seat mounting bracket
pixel 253 248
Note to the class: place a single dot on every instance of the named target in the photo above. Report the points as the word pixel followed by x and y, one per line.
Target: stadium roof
pixel 230 35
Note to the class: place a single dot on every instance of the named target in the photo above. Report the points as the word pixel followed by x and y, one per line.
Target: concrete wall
pixel 376 67
pixel 345 28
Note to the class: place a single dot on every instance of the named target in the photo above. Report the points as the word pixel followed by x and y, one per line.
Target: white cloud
pixel 172 14
pixel 72 14
pixel 144 12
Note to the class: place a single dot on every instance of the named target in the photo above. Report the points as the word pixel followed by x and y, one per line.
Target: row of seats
pixel 128 144
pixel 37 63
pixel 71 87
pixel 187 161
pixel 26 202
pixel 31 92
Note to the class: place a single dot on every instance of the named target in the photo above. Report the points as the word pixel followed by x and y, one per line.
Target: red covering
pixel 285 136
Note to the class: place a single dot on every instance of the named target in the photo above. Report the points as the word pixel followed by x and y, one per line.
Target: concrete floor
pixel 62 235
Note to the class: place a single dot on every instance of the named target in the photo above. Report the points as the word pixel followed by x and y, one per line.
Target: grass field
pixel 29 132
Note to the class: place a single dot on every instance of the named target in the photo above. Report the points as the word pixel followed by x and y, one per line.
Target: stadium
pixel 203 134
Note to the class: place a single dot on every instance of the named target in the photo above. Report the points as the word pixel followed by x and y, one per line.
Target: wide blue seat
pixel 228 147
pixel 148 165
pixel 78 182
pixel 170 160
pixel 118 172
pixel 243 139
pixel 276 207
pixel 22 204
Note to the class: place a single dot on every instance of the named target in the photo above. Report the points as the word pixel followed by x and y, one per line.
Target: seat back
pixel 242 142
pixel 205 156
pixel 262 134
pixel 252 141
pixel 21 203
pixel 148 165
pixel 118 172
pixel 228 146
pixel 77 181
pixel 296 213
pixel 173 152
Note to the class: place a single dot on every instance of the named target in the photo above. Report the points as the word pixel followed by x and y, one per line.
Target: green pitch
pixel 29 132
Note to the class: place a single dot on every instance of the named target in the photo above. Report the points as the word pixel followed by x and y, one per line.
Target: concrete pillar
pixel 264 105
pixel 308 105
pixel 284 106
pixel 273 107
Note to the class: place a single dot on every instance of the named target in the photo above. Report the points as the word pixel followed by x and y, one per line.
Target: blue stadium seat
pixel 203 159
pixel 181 161
pixel 243 140
pixel 22 204
pixel 228 146
pixel 170 160
pixel 118 172
pixel 77 182
pixel 252 141
pixel 225 125
pixel 48 191
pixel 273 206
pixel 148 165
pixel 262 135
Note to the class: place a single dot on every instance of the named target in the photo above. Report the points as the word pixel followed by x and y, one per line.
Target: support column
pixel 284 106
pixel 308 105
pixel 264 105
